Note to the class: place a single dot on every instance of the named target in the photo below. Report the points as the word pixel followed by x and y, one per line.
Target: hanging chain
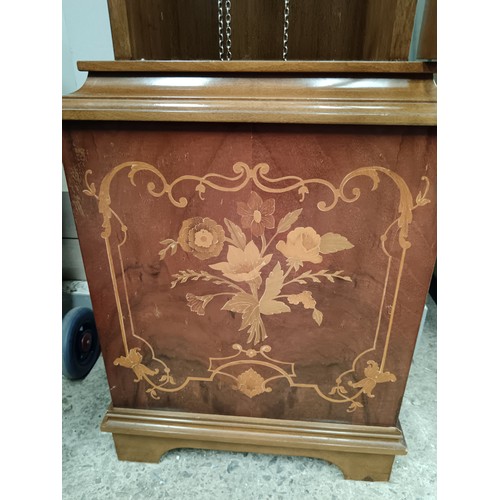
pixel 220 15
pixel 228 30
pixel 285 30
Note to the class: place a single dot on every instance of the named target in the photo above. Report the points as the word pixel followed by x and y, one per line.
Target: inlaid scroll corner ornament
pixel 235 256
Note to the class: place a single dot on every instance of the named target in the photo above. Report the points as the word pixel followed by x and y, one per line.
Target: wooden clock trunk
pixel 258 240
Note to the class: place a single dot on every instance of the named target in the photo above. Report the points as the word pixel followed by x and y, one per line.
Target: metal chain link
pixel 285 30
pixel 220 14
pixel 228 30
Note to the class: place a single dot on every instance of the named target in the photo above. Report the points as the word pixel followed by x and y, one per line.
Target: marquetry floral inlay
pixel 251 265
pixel 251 383
pixel 255 289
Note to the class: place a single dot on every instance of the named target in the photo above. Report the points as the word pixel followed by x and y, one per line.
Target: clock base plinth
pixel 361 452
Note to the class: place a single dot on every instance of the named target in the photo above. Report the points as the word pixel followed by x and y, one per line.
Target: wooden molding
pixel 259 66
pixel 361 452
pixel 332 93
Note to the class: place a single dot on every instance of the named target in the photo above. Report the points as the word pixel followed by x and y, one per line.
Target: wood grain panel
pixel 327 30
pixel 172 29
pixel 120 33
pixel 388 31
pixel 318 30
pixel 257 29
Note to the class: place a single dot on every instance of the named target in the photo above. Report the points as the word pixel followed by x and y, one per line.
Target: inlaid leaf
pixel 354 406
pixel 332 242
pixel 421 200
pixel 169 245
pixel 273 307
pixel 303 190
pixel 152 393
pixel 317 316
pixel 337 389
pixel 339 275
pixel 91 191
pixel 248 306
pixel 237 235
pixel 240 303
pixel 167 377
pixel 274 284
pixel 288 221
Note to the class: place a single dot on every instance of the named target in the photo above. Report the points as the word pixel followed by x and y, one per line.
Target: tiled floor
pixel 92 471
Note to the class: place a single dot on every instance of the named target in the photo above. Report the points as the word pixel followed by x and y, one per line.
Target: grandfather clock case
pixel 258 239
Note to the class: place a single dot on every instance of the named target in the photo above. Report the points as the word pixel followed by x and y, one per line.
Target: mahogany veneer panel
pixel 349 363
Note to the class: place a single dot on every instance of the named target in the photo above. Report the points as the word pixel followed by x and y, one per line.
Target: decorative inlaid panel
pixel 268 270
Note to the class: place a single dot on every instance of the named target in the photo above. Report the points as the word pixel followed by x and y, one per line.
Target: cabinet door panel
pixel 272 271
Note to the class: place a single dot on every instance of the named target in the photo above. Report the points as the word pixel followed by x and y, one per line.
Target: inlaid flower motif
pixel 302 245
pixel 374 375
pixel 197 303
pixel 251 383
pixel 257 214
pixel 249 290
pixel 133 360
pixel 243 265
pixel 202 237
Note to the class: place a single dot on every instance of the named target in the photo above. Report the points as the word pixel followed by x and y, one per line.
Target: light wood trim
pixel 259 66
pixel 344 113
pixel 370 99
pixel 362 452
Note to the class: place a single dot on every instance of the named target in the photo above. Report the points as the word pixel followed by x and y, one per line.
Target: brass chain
pixel 228 30
pixel 220 15
pixel 285 30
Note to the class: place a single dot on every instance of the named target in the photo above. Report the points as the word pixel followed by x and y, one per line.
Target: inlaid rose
pixel 202 237
pixel 302 245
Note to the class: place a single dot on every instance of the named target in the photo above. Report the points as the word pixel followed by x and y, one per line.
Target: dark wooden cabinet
pixel 259 241
pixel 317 29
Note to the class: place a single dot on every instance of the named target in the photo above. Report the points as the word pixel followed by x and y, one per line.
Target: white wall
pixel 417 28
pixel 86 36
